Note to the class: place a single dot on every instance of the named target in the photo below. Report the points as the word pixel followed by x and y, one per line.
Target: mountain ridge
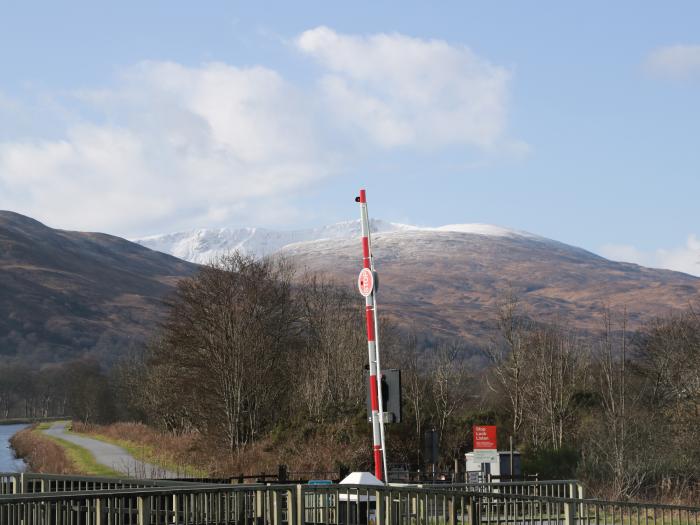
pixel 202 245
pixel 449 279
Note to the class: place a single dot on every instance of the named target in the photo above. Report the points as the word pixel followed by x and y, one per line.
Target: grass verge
pixel 81 458
pixel 145 452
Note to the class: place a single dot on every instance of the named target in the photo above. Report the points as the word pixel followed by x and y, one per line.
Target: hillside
pixel 451 282
pixel 448 280
pixel 63 294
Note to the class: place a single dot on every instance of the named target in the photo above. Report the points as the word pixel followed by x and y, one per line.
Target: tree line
pixel 78 388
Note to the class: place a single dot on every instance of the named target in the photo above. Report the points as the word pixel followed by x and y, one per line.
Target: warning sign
pixel 365 282
pixel 485 437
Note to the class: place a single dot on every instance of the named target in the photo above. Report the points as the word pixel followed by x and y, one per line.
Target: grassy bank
pixel 168 451
pixel 41 453
pixel 52 455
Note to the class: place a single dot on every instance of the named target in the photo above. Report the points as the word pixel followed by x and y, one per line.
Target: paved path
pixel 110 455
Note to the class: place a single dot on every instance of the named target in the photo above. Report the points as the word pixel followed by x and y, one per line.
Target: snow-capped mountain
pixel 449 280
pixel 204 245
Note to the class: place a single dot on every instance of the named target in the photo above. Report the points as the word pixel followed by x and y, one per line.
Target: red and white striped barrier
pixel 367 286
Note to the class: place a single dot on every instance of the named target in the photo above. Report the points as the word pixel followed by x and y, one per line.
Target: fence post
pixel 143 505
pixel 300 506
pixel 413 510
pixel 579 495
pixel 99 508
pixel 23 482
pixel 277 508
pixel 473 518
pixel 379 508
pixel 259 507
pixel 452 510
pixel 291 507
pixel 570 512
pixel 388 505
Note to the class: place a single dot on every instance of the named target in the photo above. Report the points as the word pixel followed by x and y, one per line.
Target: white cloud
pixel 677 62
pixel 166 146
pixel 404 91
pixel 182 146
pixel 684 258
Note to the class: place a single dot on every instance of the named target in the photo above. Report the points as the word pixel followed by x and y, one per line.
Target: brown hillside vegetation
pixel 451 283
pixel 66 293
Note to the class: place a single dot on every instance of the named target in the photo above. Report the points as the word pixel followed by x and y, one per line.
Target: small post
pixel 259 506
pixel 143 507
pixel 511 459
pixel 452 510
pixel 99 509
pixel 291 507
pixel 23 483
pixel 388 499
pixel 300 505
pixel 569 507
pixel 422 517
pixel 473 519
pixel 276 508
pixel 379 509
pixel 175 508
pixel 569 513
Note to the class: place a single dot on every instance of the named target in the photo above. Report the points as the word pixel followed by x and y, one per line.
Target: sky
pixel 578 122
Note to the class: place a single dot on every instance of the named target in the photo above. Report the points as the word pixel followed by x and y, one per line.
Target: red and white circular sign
pixel 365 282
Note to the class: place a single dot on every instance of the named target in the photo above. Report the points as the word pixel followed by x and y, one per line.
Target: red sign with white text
pixel 485 437
pixel 365 282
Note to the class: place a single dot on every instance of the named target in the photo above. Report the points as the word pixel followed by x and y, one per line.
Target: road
pixel 110 455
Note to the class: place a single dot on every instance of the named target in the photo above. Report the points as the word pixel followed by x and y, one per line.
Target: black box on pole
pixel 391 395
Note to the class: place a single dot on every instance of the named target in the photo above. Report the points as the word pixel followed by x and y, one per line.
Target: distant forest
pixel 263 368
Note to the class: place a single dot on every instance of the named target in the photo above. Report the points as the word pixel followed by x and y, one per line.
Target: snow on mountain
pixel 485 229
pixel 204 245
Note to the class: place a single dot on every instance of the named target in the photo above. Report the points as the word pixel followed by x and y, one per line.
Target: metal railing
pixel 569 488
pixel 447 506
pixel 183 503
pixel 29 483
pixel 199 504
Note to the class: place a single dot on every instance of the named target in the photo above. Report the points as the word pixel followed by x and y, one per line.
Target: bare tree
pixel 226 345
pixel 448 383
pixel 619 439
pixel 331 360
pixel 509 358
pixel 415 389
pixel 559 369
pixel 667 355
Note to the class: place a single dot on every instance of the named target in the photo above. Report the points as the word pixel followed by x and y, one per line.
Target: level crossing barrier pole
pixel 368 290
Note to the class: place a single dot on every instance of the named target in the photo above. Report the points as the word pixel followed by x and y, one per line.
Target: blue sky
pixel 579 123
